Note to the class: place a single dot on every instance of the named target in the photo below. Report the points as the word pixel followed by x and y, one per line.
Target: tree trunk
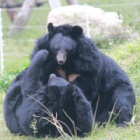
pixel 11 12
pixel 54 3
pixel 22 17
pixel 72 2
pixel 15 5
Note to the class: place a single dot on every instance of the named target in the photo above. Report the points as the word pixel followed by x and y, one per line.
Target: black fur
pixel 100 77
pixel 27 102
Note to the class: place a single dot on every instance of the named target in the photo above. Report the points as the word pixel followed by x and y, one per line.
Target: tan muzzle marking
pixel 61 58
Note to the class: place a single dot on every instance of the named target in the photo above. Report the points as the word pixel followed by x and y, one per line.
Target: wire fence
pixel 1 47
pixel 17 49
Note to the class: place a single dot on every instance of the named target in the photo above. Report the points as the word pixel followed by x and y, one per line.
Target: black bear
pixel 102 81
pixel 30 106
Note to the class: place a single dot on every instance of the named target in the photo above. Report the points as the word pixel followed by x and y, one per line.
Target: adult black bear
pixel 100 77
pixel 28 102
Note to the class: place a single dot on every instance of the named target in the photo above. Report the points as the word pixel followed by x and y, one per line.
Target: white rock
pixel 94 21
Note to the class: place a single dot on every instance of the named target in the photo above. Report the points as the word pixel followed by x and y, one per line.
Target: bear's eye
pixel 67 50
pixel 56 48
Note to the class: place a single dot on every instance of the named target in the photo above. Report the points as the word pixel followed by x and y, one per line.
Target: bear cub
pixel 38 104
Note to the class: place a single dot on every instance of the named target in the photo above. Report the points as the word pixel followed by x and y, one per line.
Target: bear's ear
pixel 50 28
pixel 77 30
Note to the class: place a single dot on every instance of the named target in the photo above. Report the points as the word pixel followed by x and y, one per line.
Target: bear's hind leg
pixel 32 77
pixel 122 102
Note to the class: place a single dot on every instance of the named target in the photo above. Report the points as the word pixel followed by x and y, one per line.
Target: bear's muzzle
pixel 61 58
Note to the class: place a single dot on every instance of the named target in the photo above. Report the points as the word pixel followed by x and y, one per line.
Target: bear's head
pixel 63 41
pixel 59 91
pixel 58 87
pixel 57 81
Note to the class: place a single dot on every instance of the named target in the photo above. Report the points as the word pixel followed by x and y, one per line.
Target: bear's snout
pixel 61 58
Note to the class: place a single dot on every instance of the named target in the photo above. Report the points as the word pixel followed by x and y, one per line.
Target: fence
pixel 17 49
pixel 1 47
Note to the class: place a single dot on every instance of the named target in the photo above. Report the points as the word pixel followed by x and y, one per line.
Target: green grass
pixel 126 55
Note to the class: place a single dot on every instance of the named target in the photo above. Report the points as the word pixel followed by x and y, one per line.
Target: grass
pixel 126 55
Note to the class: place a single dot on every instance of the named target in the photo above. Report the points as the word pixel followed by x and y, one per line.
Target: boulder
pixel 95 21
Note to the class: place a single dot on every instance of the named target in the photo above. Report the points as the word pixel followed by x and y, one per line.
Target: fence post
pixel 1 47
pixel 87 23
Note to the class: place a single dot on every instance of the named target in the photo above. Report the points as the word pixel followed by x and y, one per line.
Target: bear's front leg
pixel 84 114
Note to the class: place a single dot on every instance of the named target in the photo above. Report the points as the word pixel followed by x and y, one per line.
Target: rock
pixel 94 21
